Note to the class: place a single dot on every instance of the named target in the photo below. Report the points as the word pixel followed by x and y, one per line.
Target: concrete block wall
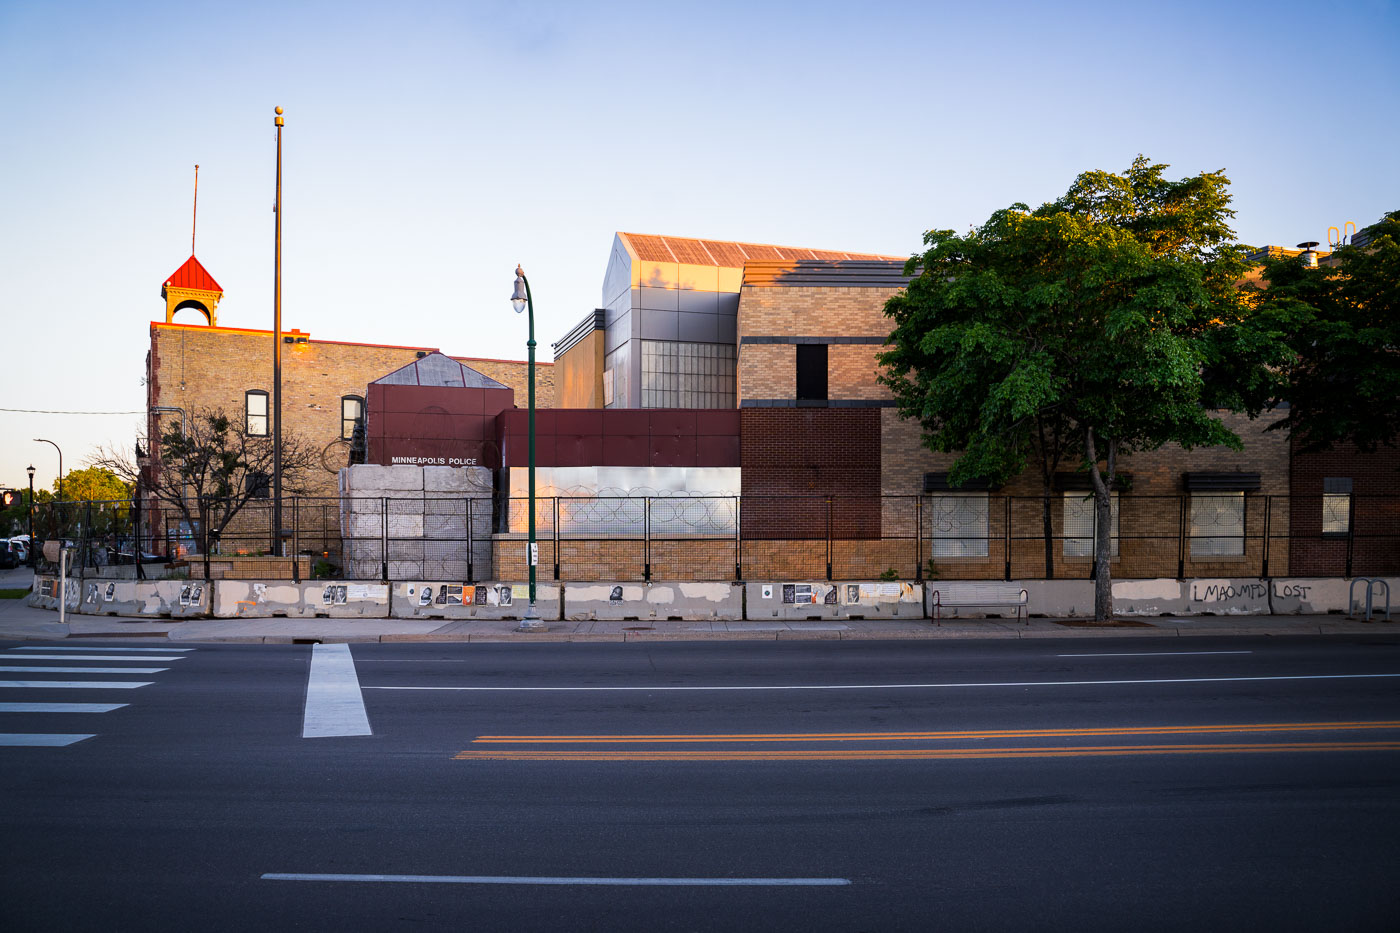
pixel 425 511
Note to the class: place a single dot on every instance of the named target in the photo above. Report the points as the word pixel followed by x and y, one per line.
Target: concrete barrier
pixel 1158 597
pixel 846 599
pixel 450 600
pixel 103 596
pixel 327 599
pixel 622 602
pixel 1318 595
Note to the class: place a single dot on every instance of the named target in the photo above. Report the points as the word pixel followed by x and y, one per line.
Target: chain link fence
pixel 954 536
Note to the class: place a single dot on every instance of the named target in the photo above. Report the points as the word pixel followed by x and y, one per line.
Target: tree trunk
pixel 1103 527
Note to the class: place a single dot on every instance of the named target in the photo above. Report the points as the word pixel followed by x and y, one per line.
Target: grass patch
pixel 14 593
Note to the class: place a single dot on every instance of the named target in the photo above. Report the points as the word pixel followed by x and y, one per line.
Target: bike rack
pixel 1371 584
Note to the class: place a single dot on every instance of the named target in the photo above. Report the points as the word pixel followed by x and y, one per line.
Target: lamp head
pixel 520 297
pixel 30 470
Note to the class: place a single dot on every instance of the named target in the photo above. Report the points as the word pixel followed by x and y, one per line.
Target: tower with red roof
pixel 191 286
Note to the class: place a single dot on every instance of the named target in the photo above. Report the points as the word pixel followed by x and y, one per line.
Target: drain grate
pixel 638 628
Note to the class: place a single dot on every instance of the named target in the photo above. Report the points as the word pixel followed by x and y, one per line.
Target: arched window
pixel 255 412
pixel 352 412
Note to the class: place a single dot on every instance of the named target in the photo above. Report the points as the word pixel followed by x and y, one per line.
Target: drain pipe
pixel 184 432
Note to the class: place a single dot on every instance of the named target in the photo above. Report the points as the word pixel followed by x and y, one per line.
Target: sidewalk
pixel 19 621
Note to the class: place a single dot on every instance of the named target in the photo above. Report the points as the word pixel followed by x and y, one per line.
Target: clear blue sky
pixel 430 147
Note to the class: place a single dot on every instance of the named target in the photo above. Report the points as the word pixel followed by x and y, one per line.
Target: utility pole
pixel 277 352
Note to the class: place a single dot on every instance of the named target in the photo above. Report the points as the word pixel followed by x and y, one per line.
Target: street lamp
pixel 520 300
pixel 30 470
pixel 43 440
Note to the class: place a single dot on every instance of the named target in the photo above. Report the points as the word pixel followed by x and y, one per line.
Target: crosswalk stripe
pixel 54 740
pixel 83 670
pixel 76 684
pixel 87 657
pixel 60 707
pixel 85 648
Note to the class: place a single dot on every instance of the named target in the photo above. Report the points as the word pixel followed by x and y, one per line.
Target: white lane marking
pixel 88 657
pixel 334 704
pixel 1024 683
pixel 83 670
pixel 52 741
pixel 59 707
pixel 76 684
pixel 1146 654
pixel 535 879
pixel 71 648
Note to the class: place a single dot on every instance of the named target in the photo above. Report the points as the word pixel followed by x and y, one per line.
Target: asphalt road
pixel 1057 784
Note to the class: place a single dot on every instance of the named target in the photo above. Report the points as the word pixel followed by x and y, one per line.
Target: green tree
pixel 1083 329
pixel 1340 327
pixel 94 484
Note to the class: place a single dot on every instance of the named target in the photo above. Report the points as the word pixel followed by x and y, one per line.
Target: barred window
pixel 1336 505
pixel 352 411
pixel 958 524
pixel 255 412
pixel 1217 524
pixel 676 374
pixel 1081 531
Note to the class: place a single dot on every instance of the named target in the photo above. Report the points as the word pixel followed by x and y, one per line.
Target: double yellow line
pixel 509 747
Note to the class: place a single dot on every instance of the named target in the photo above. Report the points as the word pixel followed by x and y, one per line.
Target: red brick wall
pixel 1375 509
pixel 793 458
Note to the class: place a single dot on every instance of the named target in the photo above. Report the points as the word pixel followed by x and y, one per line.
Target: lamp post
pixel 521 300
pixel 42 440
pixel 30 470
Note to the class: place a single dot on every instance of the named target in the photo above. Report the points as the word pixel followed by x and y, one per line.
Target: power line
pixel 37 411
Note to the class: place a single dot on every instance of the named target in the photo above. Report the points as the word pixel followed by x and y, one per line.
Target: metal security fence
pixel 937 536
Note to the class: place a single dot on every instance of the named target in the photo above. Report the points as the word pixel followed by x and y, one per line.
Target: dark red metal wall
pixel 623 437
pixel 450 424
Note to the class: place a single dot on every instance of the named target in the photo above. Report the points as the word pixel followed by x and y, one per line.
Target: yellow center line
pixel 930 736
pixel 916 754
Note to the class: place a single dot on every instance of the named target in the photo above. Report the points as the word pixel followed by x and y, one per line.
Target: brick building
pixel 198 367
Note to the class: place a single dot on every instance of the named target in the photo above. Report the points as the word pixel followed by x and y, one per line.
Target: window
pixel 1080 528
pixel 255 412
pixel 352 412
pixel 1217 524
pixel 1336 505
pixel 676 374
pixel 618 365
pixel 811 372
pixel 958 525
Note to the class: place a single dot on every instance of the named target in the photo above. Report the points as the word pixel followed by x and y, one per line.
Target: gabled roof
pixel 437 369
pixel 726 253
pixel 192 275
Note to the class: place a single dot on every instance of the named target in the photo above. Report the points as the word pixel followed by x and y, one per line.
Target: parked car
pixel 12 555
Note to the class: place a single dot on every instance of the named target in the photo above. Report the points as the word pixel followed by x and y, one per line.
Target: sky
pixel 430 147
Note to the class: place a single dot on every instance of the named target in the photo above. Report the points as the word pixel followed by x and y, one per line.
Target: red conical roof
pixel 192 275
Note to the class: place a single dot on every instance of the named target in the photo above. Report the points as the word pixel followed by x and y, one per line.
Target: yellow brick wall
pixel 769 370
pixel 199 367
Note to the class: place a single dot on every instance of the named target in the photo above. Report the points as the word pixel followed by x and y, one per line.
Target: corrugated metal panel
pixel 730 255
pixel 689 251
pixel 650 248
pixel 858 273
